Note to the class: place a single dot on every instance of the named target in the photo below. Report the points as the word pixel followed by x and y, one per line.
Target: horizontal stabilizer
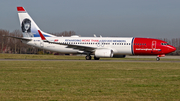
pixel 21 38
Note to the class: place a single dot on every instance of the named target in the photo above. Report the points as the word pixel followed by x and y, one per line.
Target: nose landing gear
pixel 158 56
pixel 157 59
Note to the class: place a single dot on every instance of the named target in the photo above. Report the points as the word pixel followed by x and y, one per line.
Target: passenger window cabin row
pixel 139 44
pixel 98 43
pixel 93 43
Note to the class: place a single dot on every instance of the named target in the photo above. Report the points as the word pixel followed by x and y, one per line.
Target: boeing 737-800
pixel 98 46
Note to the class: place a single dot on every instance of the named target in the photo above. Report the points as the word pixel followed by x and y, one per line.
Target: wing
pixel 74 46
pixel 82 48
pixel 79 47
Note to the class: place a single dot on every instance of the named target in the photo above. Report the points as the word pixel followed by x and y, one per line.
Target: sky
pixel 131 18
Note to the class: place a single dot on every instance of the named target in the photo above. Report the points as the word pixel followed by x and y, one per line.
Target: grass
pixel 85 81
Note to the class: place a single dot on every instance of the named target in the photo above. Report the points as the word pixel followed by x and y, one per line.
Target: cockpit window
pixel 164 44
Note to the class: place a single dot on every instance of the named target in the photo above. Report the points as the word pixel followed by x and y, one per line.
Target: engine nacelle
pixel 104 53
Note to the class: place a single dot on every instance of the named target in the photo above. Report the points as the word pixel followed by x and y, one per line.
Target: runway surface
pixel 136 59
pixel 89 60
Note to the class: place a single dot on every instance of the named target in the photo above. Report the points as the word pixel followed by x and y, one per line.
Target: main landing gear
pixel 88 57
pixel 96 58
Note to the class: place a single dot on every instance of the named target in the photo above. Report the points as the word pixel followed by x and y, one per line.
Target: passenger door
pixel 153 45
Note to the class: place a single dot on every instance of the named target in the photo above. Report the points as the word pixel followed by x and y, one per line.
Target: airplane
pixel 100 47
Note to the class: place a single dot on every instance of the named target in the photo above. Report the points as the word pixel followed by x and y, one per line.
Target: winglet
pixel 42 36
pixel 20 9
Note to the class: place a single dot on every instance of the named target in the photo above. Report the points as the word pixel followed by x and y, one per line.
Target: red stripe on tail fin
pixel 20 9
pixel 42 36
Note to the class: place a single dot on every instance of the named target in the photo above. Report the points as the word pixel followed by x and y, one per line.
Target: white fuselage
pixel 119 45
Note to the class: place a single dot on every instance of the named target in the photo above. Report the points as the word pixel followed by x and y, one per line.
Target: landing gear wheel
pixel 88 57
pixel 157 59
pixel 95 58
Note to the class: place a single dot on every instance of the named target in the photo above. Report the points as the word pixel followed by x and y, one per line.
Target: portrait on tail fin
pixel 26 26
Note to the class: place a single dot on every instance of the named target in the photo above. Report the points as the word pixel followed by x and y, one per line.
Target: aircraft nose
pixel 172 49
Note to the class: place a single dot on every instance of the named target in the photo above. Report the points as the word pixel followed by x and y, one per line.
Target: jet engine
pixel 104 53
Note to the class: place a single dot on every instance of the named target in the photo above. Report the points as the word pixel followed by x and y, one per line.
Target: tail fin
pixel 28 26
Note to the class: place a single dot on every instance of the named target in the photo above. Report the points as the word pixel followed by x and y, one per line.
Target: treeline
pixel 11 45
pixel 15 46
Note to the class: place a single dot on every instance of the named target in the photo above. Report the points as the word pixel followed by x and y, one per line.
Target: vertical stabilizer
pixel 28 26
